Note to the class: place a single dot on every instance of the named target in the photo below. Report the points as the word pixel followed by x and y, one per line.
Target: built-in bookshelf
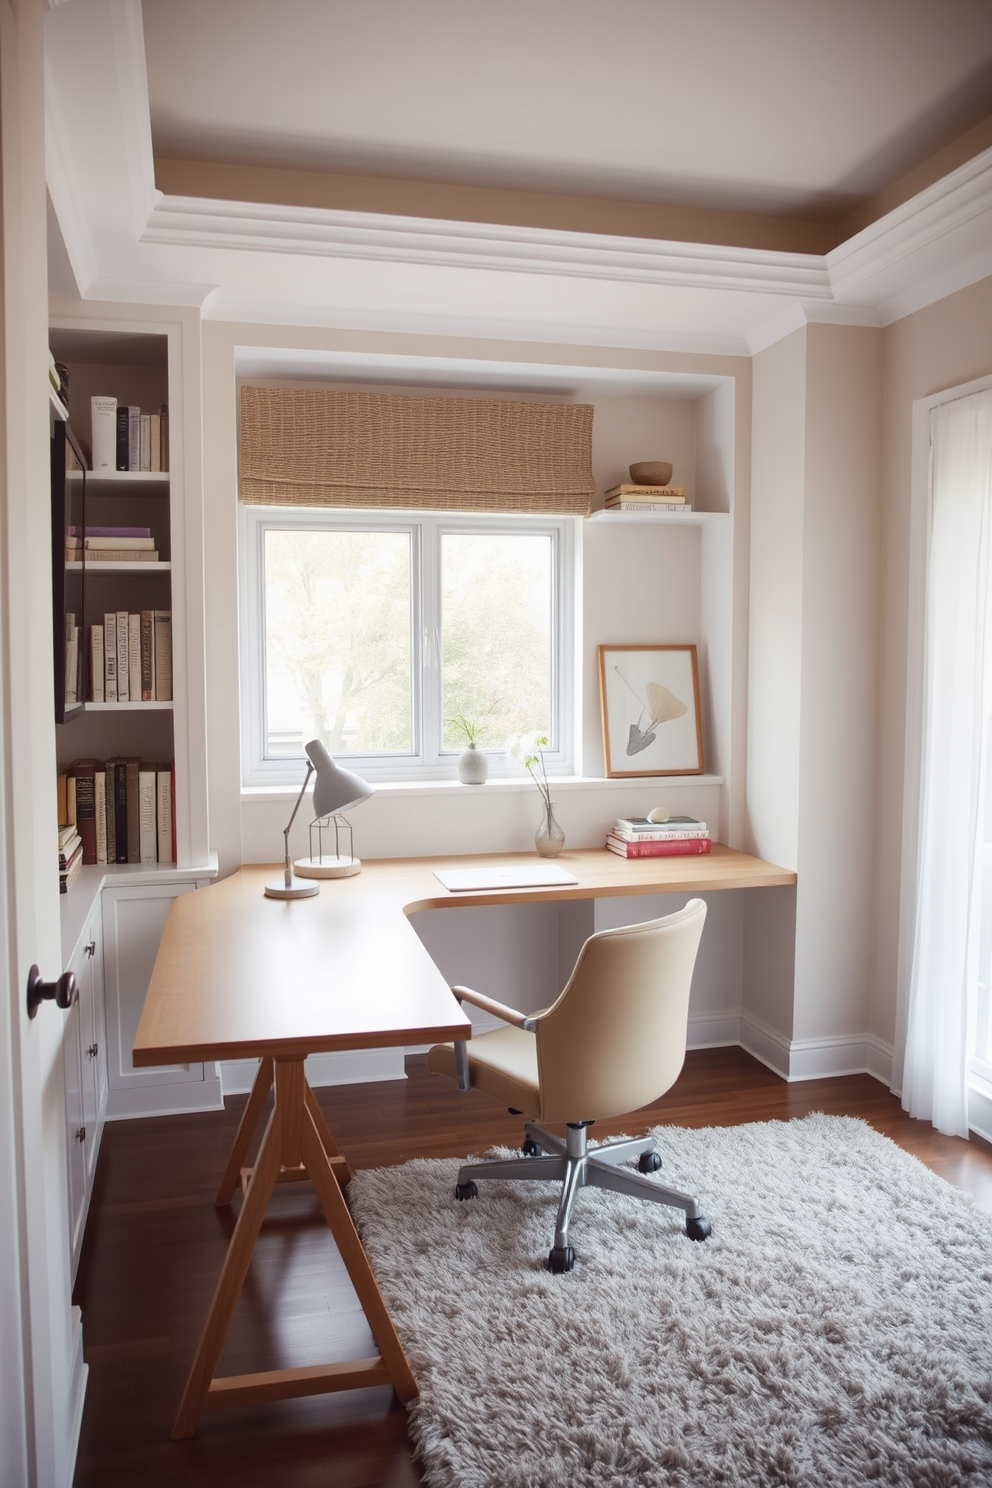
pixel 123 710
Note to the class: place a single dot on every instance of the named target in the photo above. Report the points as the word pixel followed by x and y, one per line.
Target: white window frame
pixel 428 760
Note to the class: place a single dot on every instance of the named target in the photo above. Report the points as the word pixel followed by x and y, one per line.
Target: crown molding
pixel 131 77
pixel 947 224
pixel 201 223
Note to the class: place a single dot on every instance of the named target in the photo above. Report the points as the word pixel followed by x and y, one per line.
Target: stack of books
pixel 119 811
pixel 130 657
pixel 110 545
pixel 70 856
pixel 679 836
pixel 629 497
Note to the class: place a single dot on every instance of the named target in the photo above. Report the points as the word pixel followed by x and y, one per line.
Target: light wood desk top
pixel 239 975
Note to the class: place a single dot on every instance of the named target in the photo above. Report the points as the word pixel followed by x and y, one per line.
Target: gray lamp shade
pixel 335 788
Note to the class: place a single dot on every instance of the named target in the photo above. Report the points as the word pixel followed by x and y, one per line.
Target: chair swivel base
pixel 575 1165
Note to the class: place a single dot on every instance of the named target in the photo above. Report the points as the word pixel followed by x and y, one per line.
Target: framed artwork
pixel 650 701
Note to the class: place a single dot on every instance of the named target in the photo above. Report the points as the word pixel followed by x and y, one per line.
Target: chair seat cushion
pixel 503 1063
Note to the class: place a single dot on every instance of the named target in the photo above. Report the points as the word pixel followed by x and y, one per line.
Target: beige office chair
pixel 612 1042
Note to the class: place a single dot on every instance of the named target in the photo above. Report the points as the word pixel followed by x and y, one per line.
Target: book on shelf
pixel 162 627
pixel 68 876
pixel 134 657
pixel 110 656
pixel 110 807
pixel 146 622
pixel 71 660
pixel 123 672
pixel 100 796
pixel 155 420
pixel 641 827
pixel 657 507
pixel 133 437
pixel 99 542
pixel 679 847
pixel 132 771
pixel 83 772
pixel 147 814
pixel 123 436
pixel 114 555
pixel 67 830
pixel 69 847
pixel 628 488
pixel 103 433
pixel 120 811
pixel 66 794
pixel 90 532
pixel 98 682
pixel 679 835
pixel 165 783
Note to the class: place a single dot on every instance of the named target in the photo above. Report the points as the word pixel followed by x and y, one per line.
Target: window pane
pixel 337 641
pixel 496 634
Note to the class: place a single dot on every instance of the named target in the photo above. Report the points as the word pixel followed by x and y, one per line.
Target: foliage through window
pixel 394 638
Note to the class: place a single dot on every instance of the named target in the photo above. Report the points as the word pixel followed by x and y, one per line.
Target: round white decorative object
pixel 473 766
pixel 327 867
pixel 659 814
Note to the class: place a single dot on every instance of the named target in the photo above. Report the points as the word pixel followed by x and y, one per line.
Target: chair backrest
pixel 615 1038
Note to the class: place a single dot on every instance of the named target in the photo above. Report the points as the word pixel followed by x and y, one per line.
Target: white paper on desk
pixel 514 876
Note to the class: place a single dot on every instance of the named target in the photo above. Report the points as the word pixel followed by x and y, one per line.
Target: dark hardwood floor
pixel 155 1243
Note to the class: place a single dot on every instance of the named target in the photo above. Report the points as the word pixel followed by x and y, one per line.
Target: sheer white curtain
pixel 957 706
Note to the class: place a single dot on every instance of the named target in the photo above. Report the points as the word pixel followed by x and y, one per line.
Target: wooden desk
pixel 239 975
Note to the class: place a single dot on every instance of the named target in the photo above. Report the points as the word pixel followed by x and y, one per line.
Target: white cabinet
pixel 84 1056
pixel 134 917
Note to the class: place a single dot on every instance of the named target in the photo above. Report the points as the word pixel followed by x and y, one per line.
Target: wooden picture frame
pixel 650 705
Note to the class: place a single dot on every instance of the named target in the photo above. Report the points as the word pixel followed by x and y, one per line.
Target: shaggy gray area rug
pixel 833 1331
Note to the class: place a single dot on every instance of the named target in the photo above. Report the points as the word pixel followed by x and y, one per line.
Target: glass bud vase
pixel 549 838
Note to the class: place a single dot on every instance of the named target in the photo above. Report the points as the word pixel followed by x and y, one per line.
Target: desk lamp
pixel 334 789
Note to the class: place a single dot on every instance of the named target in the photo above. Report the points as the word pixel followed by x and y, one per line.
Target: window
pixel 378 632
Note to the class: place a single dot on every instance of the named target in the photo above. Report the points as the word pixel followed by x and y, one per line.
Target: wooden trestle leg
pixel 295 1142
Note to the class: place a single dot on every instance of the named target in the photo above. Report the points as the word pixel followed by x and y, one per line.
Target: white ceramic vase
pixel 473 766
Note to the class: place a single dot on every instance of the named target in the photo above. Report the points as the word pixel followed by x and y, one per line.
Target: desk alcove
pixel 240 975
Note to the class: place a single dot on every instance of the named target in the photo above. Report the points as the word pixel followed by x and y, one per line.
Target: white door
pixel 40 1362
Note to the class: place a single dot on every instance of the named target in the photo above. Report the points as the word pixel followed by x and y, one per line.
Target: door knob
pixel 62 993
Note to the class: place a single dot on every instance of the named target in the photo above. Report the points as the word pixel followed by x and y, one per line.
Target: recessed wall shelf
pixel 659 519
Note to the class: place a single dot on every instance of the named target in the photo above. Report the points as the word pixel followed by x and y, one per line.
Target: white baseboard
pixel 165 1099
pixel 846 1054
pixel 713 1030
pixel 356 1066
pixel 765 1043
pixel 78 1375
pixel 980 1113
pixel 816 1059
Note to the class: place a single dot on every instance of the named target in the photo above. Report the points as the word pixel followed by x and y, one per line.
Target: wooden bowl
pixel 651 473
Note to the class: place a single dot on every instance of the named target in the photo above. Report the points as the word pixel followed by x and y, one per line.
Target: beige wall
pixel 816 491
pixel 943 346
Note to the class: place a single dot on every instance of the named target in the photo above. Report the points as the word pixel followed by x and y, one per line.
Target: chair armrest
pixel 498 1009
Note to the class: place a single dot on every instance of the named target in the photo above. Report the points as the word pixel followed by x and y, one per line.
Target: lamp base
pixel 327 866
pixel 277 888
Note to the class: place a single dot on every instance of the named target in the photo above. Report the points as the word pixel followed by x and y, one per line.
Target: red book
pixel 680 848
pixel 84 773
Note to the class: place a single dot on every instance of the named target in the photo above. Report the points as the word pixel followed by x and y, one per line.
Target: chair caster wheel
pixel 466 1190
pixel 530 1148
pixel 698 1229
pixel 648 1162
pixel 561 1258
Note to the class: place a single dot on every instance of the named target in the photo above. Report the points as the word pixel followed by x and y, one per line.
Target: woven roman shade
pixel 301 447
